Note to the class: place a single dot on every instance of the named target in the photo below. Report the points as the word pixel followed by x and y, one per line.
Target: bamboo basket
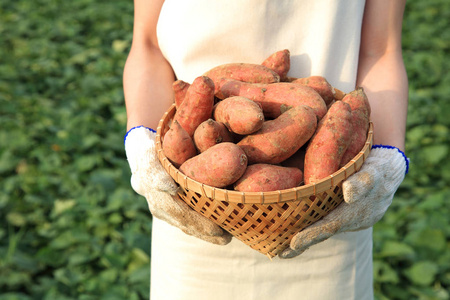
pixel 265 221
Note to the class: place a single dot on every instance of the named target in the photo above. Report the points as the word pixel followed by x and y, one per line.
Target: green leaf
pixel 384 273
pixel 435 153
pixel 396 249
pixel 140 275
pixel 433 201
pixel 138 259
pixel 14 296
pixel 61 206
pixel 109 275
pixel 433 239
pixel 120 45
pixel 422 273
pixel 16 219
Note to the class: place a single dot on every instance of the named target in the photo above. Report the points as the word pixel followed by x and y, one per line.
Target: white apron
pixel 323 37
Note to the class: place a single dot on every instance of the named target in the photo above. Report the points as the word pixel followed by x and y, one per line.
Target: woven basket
pixel 265 221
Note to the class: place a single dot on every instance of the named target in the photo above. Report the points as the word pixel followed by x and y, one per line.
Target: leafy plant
pixel 73 228
pixel 411 243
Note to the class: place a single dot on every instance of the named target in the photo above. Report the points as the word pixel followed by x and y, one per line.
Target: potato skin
pixel 320 85
pixel 359 125
pixel 197 105
pixel 358 100
pixel 329 143
pixel 268 177
pixel 178 145
pixel 179 88
pixel 239 114
pixel 210 133
pixel 247 72
pixel 274 98
pixel 280 62
pixel 360 106
pixel 219 166
pixel 280 138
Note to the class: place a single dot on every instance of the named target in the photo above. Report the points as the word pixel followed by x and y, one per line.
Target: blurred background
pixel 71 226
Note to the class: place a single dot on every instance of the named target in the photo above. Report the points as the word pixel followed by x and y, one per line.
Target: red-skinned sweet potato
pixel 360 125
pixel 239 114
pixel 180 88
pixel 360 106
pixel 338 94
pixel 197 105
pixel 178 145
pixel 209 133
pixel 358 100
pixel 219 166
pixel 320 85
pixel 280 138
pixel 247 72
pixel 268 177
pixel 274 98
pixel 329 143
pixel 280 62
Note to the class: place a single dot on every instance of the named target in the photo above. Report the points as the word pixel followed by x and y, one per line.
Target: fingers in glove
pixel 195 221
pixel 362 181
pixel 177 213
pixel 316 233
pixel 224 239
pixel 289 253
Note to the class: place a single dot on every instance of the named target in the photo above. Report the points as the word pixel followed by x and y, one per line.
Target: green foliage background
pixel 72 228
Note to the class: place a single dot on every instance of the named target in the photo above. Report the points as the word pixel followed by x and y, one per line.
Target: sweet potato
pixel 360 106
pixel 178 145
pixel 338 94
pixel 280 62
pixel 268 177
pixel 239 114
pixel 209 133
pixel 180 88
pixel 275 98
pixel 219 166
pixel 358 100
pixel 247 72
pixel 329 143
pixel 320 85
pixel 360 125
pixel 197 105
pixel 280 138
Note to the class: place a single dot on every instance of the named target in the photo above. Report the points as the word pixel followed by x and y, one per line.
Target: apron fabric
pixel 323 38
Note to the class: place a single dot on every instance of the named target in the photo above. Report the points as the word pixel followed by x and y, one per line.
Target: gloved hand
pixel 367 195
pixel 150 180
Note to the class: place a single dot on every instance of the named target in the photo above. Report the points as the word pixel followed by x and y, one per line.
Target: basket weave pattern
pixel 264 221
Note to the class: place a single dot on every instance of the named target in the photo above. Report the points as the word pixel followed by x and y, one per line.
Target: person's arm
pixel 381 71
pixel 147 82
pixel 369 192
pixel 147 77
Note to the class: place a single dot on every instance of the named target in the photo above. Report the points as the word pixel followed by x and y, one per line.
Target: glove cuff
pixel 147 172
pixel 380 146
pixel 136 127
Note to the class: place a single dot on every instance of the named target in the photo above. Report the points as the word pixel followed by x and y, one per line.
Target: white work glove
pixel 149 179
pixel 367 195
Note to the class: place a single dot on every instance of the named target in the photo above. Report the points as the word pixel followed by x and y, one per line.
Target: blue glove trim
pixel 401 152
pixel 125 137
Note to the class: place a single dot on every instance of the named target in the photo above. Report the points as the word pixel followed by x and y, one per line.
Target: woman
pixel 351 43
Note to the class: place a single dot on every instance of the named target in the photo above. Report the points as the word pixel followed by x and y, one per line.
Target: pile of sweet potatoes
pixel 252 128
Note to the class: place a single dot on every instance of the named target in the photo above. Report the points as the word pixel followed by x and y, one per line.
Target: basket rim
pixel 279 196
